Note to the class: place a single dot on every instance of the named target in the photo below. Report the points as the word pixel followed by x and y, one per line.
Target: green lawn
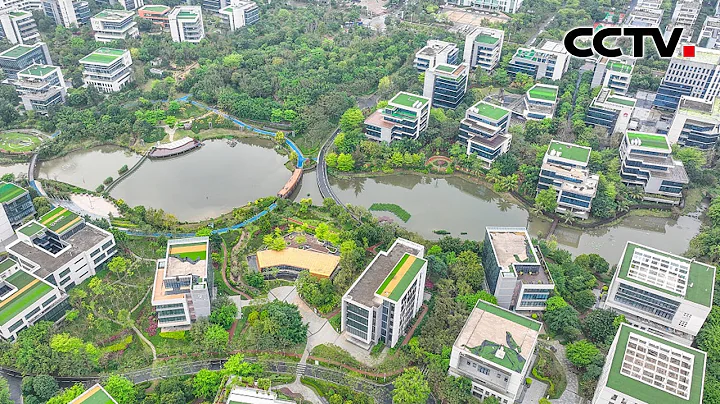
pixel 543 93
pixel 15 142
pixel 9 191
pixel 650 140
pixel 23 300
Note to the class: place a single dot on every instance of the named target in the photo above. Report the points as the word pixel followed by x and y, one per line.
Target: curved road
pixel 322 176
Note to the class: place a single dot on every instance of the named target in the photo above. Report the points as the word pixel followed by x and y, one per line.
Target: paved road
pixel 322 176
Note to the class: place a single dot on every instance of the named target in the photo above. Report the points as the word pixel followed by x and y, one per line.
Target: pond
pixel 87 168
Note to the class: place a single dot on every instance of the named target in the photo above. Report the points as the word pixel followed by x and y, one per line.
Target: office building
pixel 186 24
pixel 611 111
pixel 614 74
pixel 697 77
pixel 181 290
pixel 496 351
pixel 156 13
pixel 710 33
pixel 642 368
pixel 565 169
pixel 132 5
pixel 94 395
pixel 240 14
pixel 436 52
pixel 405 117
pixel 483 47
pixel 40 87
pixel 381 304
pixel 445 85
pixel 549 61
pixel 646 161
pixel 20 57
pixel 515 270
pixel 18 27
pixel 647 13
pixel 107 69
pixel 540 101
pixel 696 123
pixel 663 293
pixel 485 131
pixel 67 13
pixel 16 207
pixel 114 25
pixel 684 16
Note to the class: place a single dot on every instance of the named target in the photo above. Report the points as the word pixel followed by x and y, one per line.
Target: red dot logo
pixel 689 51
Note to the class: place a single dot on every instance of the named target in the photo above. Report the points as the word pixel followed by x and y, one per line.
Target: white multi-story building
pixel 186 24
pixel 565 169
pixel 515 270
pixel 548 61
pixel 642 368
pixel 239 14
pixel 646 161
pixel 181 290
pixel 697 76
pixel 67 13
pixel 696 123
pixel 710 34
pixel 483 47
pixel 405 117
pixel 445 85
pixel 611 111
pixel 493 6
pixel 485 131
pixel 434 53
pixel 496 351
pixel 131 5
pixel 647 13
pixel 16 207
pixel 18 27
pixel 614 74
pixel 380 305
pixel 107 69
pixel 114 25
pixel 20 57
pixel 540 101
pixel 662 293
pixel 684 16
pixel 40 87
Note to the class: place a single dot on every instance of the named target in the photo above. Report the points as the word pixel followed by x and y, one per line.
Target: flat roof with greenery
pixel 628 102
pixel 94 395
pixel 103 56
pixel 187 15
pixel 569 151
pixel 31 228
pixel 114 15
pixel 29 290
pixel 540 92
pixel 486 39
pixel 508 315
pixel 155 8
pixel 191 251
pixel 699 285
pixel 644 392
pixel 6 264
pixel 59 220
pixel 401 277
pixel 39 70
pixel 16 51
pixel 9 191
pixel 619 66
pixel 408 100
pixel 651 140
pixel 491 111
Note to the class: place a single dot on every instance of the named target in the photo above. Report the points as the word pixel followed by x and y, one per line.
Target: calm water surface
pixel 88 168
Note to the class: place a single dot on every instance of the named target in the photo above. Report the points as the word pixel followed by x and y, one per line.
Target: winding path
pixel 323 180
pixel 224 275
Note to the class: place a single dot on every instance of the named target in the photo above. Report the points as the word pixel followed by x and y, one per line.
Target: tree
pixel 44 387
pixel 583 300
pixel 67 395
pixel 472 300
pixel 457 390
pixel 563 321
pixel 4 392
pixel 215 339
pixel 600 326
pixel 345 162
pixel 581 353
pixel 121 389
pixel 467 268
pixel 411 388
pixel 120 267
pixel 206 383
pixel 236 366
pixel 331 159
pixel 42 205
pixel 546 200
pixel 224 311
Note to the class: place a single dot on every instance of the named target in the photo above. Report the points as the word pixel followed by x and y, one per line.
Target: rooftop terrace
pixel 490 111
pixel 17 51
pixel 94 395
pixel 317 263
pixel 543 92
pixel 103 56
pixel 569 151
pixel 617 66
pixel 38 70
pixel 401 276
pixel 155 8
pixel 9 192
pixel 114 15
pixel 59 220
pixel 409 100
pixel 511 246
pixel 486 39
pixel 649 140
pixel 187 258
pixel 29 290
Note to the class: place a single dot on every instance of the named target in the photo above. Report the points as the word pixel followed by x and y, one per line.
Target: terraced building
pixel 696 123
pixel 405 117
pixel 380 305
pixel 485 131
pixel 540 101
pixel 550 61
pixel 483 47
pixel 614 74
pixel 107 69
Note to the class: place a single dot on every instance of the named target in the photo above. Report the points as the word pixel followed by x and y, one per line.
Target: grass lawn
pixel 15 142
pixel 543 93
pixel 651 140
pixel 213 133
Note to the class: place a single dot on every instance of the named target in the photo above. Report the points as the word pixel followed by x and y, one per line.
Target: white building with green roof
pixel 614 74
pixel 107 69
pixel 18 26
pixel 483 47
pixel 20 57
pixel 496 351
pixel 696 123
pixel 662 293
pixel 445 85
pixel 647 162
pixel 94 395
pixel 642 368
pixel 239 14
pixel 250 395
pixel 550 60
pixel 114 25
pixel 41 87
pixel 611 111
pixel 383 301
pixel 186 24
pixel 405 117
pixel 484 131
pixel 436 52
pixel 565 169
pixel 540 101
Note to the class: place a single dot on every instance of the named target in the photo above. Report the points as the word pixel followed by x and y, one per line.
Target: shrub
pixel 108 181
pixel 123 169
pixel 178 335
pixel 100 188
pixel 119 346
pixel 534 316
pixel 528 381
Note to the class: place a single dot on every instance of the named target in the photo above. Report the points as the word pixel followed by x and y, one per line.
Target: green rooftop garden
pixel 9 191
pixel 407 100
pixel 446 68
pixel 543 93
pixel 29 290
pixel 511 360
pixel 94 395
pixel 570 151
pixel 59 219
pixel 31 228
pixel 103 56
pixel 486 39
pixel 155 8
pixel 186 15
pixel 508 315
pixel 400 285
pixel 651 140
pixel 6 264
pixel 190 251
pixel 38 70
pixel 619 67
pixel 621 101
pixel 16 51
pixel 491 111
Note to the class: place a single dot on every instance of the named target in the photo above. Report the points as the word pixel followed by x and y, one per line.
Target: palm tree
pixel 567 217
pixel 536 209
pixel 635 192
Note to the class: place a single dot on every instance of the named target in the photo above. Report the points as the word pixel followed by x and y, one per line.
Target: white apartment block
pixel 565 169
pixel 515 271
pixel 662 293
pixel 647 13
pixel 381 304
pixel 696 123
pixel 611 111
pixel 697 76
pixel 493 6
pixel 614 74
pixel 684 16
pixel 181 290
pixel 485 131
pixel 483 47
pixel 18 27
pixel 642 368
pixel 107 69
pixel 67 13
pixel 710 34
pixel 445 85
pixel 40 87
pixel 496 351
pixel 186 24
pixel 405 116
pixel 20 57
pixel 434 53
pixel 131 5
pixel 239 14
pixel 550 61
pixel 114 25
pixel 540 101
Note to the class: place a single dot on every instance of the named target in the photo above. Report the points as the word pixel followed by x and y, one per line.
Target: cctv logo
pixel 665 50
